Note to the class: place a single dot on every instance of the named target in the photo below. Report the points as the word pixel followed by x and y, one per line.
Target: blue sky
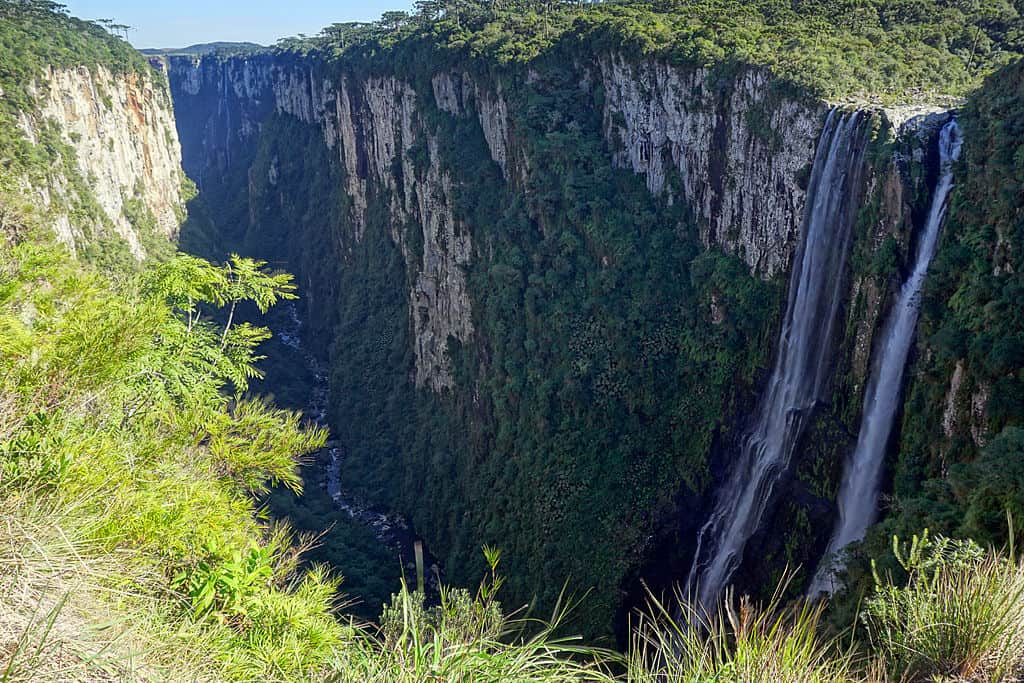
pixel 177 23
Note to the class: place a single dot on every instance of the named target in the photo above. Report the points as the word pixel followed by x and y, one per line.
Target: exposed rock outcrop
pixel 459 93
pixel 373 125
pixel 739 158
pixel 121 128
pixel 736 155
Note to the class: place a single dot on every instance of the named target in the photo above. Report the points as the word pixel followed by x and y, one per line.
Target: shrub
pixel 960 614
pixel 467 639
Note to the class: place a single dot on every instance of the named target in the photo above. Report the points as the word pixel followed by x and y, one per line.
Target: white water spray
pixel 858 495
pixel 802 363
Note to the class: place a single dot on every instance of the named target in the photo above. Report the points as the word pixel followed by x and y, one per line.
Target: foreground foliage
pixel 133 458
pixel 960 615
pixel 740 643
pixel 121 414
pixel 131 535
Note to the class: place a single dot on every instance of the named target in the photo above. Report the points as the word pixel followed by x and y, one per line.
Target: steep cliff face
pixel 220 104
pixel 459 94
pixel 741 154
pixel 737 158
pixel 121 132
pixel 378 125
pixel 372 125
pixel 545 258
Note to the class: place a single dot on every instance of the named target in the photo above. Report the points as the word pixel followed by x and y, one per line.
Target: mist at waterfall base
pixel 858 495
pixel 800 372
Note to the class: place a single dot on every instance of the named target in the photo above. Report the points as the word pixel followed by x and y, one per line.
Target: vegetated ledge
pixel 878 52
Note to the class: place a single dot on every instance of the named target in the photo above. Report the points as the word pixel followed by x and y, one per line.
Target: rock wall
pixel 893 189
pixel 372 124
pixel 122 131
pixel 738 158
pixel 221 103
pixel 738 154
pixel 377 126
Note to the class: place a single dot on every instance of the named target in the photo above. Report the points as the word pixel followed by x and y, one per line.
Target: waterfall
pixel 802 363
pixel 859 491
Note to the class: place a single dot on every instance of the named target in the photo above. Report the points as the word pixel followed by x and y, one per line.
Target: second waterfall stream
pixel 802 362
pixel 858 495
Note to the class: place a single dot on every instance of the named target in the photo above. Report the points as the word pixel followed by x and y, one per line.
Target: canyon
pixel 400 351
pixel 733 160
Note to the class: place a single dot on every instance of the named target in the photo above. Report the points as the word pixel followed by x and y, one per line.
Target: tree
pixel 32 7
pixel 246 280
pixel 429 9
pixel 394 20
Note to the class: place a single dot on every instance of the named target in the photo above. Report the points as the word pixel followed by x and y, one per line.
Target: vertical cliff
pixel 117 172
pixel 741 154
pixel 722 150
pixel 375 130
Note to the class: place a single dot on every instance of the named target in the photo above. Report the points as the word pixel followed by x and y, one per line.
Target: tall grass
pixel 127 473
pixel 960 615
pixel 465 641
pixel 740 643
pixel 71 610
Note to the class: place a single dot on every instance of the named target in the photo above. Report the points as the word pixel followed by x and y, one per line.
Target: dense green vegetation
pixel 131 462
pixel 903 49
pixel 124 438
pixel 593 401
pixel 132 547
pixel 372 571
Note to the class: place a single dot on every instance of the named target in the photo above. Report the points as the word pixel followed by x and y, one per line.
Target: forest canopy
pixel 903 49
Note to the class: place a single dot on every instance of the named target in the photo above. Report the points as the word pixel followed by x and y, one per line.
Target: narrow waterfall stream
pixel 858 495
pixel 802 364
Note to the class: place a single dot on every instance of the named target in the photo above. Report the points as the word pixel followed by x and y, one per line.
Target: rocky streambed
pixel 390 529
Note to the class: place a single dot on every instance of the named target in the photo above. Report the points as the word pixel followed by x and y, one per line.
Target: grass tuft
pixel 960 615
pixel 740 643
